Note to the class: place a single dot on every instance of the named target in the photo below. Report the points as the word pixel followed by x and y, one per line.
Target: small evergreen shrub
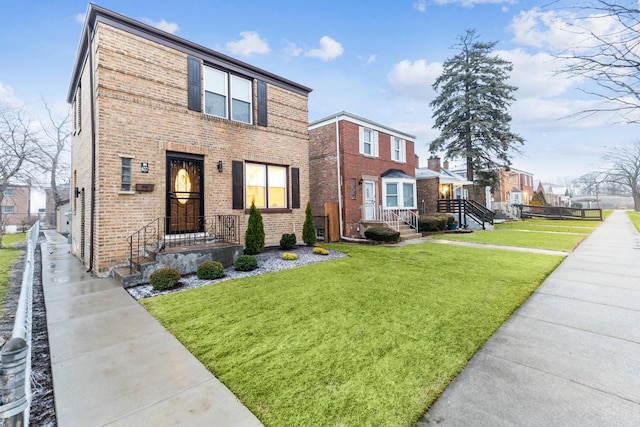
pixel 308 230
pixel 382 234
pixel 246 263
pixel 254 237
pixel 320 251
pixel 288 241
pixel 431 222
pixel 288 256
pixel 164 278
pixel 210 270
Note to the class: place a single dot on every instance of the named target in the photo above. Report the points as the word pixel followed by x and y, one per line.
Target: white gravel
pixel 268 261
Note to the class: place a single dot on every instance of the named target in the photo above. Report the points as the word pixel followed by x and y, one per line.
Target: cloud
pixel 292 49
pixel 414 79
pixel 328 51
pixel 420 5
pixel 169 27
pixel 369 60
pixel 249 44
pixel 79 18
pixel 8 98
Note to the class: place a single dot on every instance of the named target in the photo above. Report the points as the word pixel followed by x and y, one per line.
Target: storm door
pixel 369 196
pixel 185 195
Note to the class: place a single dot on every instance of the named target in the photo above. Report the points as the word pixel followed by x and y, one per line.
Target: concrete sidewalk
pixel 114 364
pixel 570 356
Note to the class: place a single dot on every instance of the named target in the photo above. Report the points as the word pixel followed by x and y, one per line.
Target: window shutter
pixel 237 175
pixel 375 143
pixel 361 129
pixel 195 81
pixel 403 150
pixel 295 188
pixel 262 103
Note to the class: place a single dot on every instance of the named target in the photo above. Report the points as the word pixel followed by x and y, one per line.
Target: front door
pixel 185 194
pixel 369 195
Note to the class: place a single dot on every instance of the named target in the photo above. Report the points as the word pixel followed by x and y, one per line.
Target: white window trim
pixel 374 142
pixel 400 182
pixel 402 147
pixel 266 167
pixel 229 95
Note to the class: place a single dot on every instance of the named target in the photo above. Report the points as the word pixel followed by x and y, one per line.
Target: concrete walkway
pixel 570 356
pixel 113 364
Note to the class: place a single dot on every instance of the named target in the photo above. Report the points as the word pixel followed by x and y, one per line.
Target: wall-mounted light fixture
pixel 360 182
pixel 76 191
pixel 219 165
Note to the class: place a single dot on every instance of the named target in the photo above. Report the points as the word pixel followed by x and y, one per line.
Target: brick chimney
pixel 433 163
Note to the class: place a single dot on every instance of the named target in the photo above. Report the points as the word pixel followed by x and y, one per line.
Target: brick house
pixel 363 169
pixel 15 206
pixel 438 182
pixel 177 138
pixel 514 186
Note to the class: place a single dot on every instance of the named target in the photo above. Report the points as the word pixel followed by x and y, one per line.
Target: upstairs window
pixel 217 102
pixel 398 150
pixel 368 142
pixel 9 192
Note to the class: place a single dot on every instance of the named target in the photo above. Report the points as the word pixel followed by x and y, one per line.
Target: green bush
pixel 308 230
pixel 246 263
pixel 382 234
pixel 431 222
pixel 210 270
pixel 288 241
pixel 254 238
pixel 164 278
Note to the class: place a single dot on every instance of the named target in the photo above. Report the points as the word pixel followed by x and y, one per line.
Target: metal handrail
pixel 466 208
pixel 559 212
pixel 393 217
pixel 145 243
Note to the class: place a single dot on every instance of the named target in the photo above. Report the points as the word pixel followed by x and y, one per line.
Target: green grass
pixel 635 218
pixel 559 235
pixel 8 256
pixel 367 340
pixel 538 240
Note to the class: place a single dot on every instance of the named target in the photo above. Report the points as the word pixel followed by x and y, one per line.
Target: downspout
pixel 342 236
pixel 92 210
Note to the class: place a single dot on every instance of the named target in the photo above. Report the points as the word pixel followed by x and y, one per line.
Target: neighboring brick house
pixel 171 130
pixel 514 187
pixel 15 206
pixel 363 167
pixel 436 182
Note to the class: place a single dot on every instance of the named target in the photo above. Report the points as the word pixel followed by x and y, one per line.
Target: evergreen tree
pixel 538 199
pixel 254 237
pixel 470 109
pixel 308 230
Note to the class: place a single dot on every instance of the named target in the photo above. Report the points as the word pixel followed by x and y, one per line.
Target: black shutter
pixel 237 175
pixel 295 188
pixel 262 103
pixel 195 78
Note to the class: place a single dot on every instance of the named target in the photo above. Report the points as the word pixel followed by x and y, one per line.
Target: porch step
pixel 408 233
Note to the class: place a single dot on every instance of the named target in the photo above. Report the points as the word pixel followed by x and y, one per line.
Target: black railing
pixel 156 236
pixel 466 209
pixel 558 212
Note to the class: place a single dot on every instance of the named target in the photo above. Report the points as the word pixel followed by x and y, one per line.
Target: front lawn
pixel 540 240
pixel 8 256
pixel 367 340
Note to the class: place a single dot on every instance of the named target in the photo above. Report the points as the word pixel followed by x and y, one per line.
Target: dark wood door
pixel 185 195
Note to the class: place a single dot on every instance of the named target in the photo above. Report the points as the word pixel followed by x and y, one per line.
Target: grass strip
pixel 367 340
pixel 552 241
pixel 635 218
pixel 8 256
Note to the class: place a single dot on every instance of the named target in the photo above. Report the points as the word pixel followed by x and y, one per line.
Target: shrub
pixel 210 270
pixel 320 251
pixel 164 278
pixel 246 263
pixel 288 256
pixel 288 241
pixel 308 230
pixel 431 222
pixel 254 238
pixel 382 234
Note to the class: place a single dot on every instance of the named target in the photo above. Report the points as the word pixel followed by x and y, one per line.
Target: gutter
pixel 92 208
